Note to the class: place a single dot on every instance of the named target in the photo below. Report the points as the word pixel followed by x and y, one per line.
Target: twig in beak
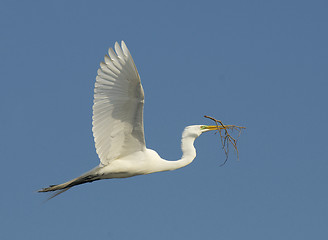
pixel 226 138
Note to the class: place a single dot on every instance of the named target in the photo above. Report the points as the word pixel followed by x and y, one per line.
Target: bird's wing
pixel 118 107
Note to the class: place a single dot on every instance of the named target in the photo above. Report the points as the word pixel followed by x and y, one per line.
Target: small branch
pixel 226 138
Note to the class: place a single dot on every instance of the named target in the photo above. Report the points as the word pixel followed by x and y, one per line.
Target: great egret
pixel 118 126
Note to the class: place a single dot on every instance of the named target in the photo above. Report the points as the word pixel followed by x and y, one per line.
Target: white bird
pixel 118 126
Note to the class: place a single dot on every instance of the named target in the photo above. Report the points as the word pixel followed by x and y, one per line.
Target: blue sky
pixel 259 64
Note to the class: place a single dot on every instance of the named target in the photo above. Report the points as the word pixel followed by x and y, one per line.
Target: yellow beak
pixel 218 127
pixel 210 128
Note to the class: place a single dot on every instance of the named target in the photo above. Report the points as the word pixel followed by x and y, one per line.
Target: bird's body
pixel 139 163
pixel 148 161
pixel 118 126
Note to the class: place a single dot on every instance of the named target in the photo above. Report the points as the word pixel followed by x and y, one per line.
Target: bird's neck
pixel 188 150
pixel 188 154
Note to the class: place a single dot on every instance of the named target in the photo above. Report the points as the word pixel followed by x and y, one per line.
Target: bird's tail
pixel 85 178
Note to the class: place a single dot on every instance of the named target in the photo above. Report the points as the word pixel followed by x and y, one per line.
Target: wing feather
pixel 118 107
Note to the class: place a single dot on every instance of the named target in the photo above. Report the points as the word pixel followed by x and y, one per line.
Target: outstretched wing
pixel 118 107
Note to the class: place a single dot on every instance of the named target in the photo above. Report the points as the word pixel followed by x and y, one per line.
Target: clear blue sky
pixel 259 64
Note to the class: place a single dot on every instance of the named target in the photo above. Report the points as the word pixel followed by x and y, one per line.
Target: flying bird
pixel 118 128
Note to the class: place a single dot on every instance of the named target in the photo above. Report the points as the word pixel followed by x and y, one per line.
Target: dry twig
pixel 226 138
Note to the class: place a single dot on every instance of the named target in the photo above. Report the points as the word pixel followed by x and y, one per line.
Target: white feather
pixel 118 107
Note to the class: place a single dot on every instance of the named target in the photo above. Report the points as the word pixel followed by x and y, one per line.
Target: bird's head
pixel 196 130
